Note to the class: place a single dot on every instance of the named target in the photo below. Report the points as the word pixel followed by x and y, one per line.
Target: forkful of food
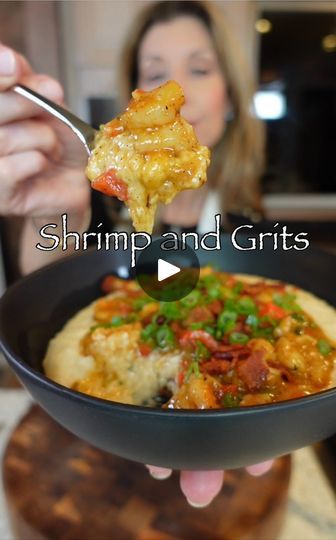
pixel 144 156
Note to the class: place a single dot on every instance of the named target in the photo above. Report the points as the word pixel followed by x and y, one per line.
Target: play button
pixel 166 270
pixel 167 274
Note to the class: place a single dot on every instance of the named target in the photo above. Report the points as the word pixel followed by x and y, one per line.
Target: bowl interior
pixel 35 308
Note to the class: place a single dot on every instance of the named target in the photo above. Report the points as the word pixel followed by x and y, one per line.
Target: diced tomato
pixel 177 329
pixel 191 336
pixel 215 307
pixel 144 348
pixel 199 314
pixel 230 282
pixel 108 284
pixel 113 128
pixel 109 184
pixel 230 389
pixel 180 378
pixel 272 310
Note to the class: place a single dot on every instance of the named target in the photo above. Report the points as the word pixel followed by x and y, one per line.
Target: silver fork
pixel 84 131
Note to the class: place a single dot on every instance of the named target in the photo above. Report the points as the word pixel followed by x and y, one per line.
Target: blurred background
pixel 291 46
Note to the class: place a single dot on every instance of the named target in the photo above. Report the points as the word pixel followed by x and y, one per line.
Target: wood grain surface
pixel 60 488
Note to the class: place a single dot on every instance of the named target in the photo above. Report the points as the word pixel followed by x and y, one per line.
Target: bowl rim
pixel 74 395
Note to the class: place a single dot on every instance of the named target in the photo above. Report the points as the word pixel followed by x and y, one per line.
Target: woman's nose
pixel 187 88
pixel 188 108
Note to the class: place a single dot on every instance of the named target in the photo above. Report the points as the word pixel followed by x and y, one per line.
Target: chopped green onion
pixel 239 337
pixel 196 326
pixel 230 400
pixel 267 333
pixel 201 352
pixel 237 288
pixel 100 325
pixel 269 320
pixel 324 347
pixel 226 321
pixel 214 292
pixel 165 337
pixel 114 323
pixel 246 306
pixel 171 310
pixel 210 330
pixel 298 317
pixel 148 333
pixel 228 294
pixel 193 368
pixel 231 304
pixel 209 280
pixel 286 301
pixel 213 286
pixel 139 303
pixel 117 320
pixel 192 299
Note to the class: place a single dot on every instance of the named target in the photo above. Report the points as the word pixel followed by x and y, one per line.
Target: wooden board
pixel 61 488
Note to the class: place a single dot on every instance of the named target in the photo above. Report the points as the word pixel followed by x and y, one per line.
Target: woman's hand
pixel 201 487
pixel 41 161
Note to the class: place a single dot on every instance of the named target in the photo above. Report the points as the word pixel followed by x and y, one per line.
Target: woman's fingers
pixel 27 135
pixel 201 487
pixel 15 169
pixel 260 468
pixel 14 107
pixel 13 67
pixel 45 85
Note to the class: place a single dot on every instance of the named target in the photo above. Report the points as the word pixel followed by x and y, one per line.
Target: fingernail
pixel 198 505
pixel 7 62
pixel 260 468
pixel 160 475
pixel 158 472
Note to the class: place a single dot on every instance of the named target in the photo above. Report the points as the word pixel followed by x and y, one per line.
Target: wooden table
pixel 61 488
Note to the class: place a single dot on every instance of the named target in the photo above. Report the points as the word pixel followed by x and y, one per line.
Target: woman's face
pixel 182 50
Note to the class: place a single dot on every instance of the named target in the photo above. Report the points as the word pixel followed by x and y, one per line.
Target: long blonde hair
pixel 238 158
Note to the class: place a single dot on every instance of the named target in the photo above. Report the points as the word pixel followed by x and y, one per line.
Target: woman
pixel 204 58
pixel 42 164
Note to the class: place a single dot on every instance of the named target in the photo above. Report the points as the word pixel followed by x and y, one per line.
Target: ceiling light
pixel 270 104
pixel 263 26
pixel 329 43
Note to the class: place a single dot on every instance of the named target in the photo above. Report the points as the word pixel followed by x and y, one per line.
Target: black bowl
pixel 36 307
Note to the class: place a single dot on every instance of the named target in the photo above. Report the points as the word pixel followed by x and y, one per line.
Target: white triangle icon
pixel 166 269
